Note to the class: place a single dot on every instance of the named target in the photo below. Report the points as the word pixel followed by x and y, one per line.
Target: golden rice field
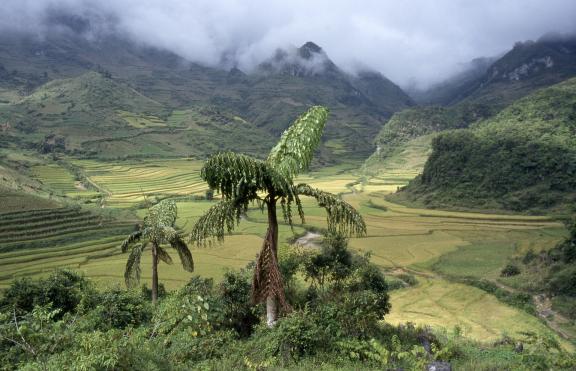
pixel 430 244
pixel 61 181
pixel 126 184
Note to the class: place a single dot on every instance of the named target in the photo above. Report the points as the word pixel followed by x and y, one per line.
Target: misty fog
pixel 414 43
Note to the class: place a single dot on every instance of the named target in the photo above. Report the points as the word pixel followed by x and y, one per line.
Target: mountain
pixel 485 87
pixel 524 158
pixel 457 87
pixel 295 78
pixel 93 115
pixel 268 98
pixel 527 67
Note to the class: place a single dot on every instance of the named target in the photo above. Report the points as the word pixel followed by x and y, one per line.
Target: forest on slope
pixel 522 159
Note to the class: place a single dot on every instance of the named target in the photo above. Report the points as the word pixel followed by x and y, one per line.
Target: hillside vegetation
pixel 130 107
pixel 522 159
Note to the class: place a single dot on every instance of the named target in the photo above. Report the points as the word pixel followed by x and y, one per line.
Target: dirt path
pixel 543 305
pixel 553 319
pixel 309 240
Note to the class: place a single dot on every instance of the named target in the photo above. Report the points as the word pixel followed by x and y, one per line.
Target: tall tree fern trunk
pixel 272 240
pixel 154 273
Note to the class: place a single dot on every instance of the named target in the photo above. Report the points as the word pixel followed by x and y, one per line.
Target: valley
pixel 440 249
pixel 260 208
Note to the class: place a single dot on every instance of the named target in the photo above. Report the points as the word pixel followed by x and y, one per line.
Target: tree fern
pixel 158 229
pixel 243 180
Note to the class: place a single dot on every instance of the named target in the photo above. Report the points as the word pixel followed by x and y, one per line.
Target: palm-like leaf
pixel 216 221
pixel 132 238
pixel 294 151
pixel 163 255
pixel 340 215
pixel 184 253
pixel 239 177
pixel 235 175
pixel 158 229
pixel 132 271
pixel 158 225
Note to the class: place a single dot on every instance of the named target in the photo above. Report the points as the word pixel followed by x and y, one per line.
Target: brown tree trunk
pixel 272 239
pixel 154 273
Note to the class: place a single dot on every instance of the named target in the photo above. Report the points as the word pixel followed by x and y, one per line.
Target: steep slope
pixel 96 115
pixel 270 97
pixel 293 79
pixel 417 122
pixel 527 67
pixel 481 91
pixel 457 87
pixel 522 159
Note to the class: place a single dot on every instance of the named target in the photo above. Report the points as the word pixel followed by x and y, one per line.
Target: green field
pixel 433 245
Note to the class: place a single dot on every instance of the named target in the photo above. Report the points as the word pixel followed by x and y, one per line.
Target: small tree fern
pixel 243 180
pixel 157 230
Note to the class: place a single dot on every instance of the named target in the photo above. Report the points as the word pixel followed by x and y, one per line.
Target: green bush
pixel 118 308
pixel 563 282
pixel 510 270
pixel 239 313
pixel 63 290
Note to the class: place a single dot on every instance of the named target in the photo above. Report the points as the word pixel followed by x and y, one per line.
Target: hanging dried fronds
pixel 267 280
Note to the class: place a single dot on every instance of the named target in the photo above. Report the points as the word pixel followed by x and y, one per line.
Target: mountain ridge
pixel 270 99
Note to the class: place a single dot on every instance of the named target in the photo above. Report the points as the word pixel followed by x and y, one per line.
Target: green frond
pixel 160 221
pixel 341 216
pixel 132 271
pixel 294 151
pixel 184 252
pixel 240 177
pixel 163 255
pixel 217 220
pixel 132 238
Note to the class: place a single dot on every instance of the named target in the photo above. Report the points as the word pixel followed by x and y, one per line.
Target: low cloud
pixel 418 42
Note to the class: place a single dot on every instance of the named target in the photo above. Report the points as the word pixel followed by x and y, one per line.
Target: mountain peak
pixel 307 60
pixel 307 50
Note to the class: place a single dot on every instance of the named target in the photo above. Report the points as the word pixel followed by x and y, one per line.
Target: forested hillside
pixel 522 159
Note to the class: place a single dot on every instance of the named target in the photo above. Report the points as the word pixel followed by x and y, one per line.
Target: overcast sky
pixel 420 41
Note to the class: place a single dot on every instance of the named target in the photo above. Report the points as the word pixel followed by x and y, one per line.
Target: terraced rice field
pixel 126 185
pixel 61 181
pixel 141 121
pixel 50 227
pixel 430 244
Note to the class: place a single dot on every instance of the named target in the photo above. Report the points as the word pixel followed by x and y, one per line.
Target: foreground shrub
pixel 63 290
pixel 239 313
pixel 118 308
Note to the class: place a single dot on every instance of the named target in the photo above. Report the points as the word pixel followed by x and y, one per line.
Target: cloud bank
pixel 411 42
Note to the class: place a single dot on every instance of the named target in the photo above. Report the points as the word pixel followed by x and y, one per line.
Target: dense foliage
pixel 335 323
pixel 553 272
pixel 415 122
pixel 524 158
